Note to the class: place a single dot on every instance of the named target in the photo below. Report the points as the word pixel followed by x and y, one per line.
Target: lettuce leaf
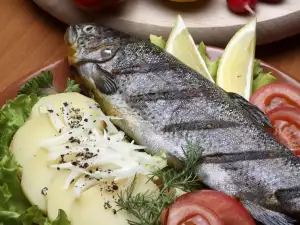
pixel 15 209
pixel 260 77
pixel 212 66
pixel 158 41
pixel 43 85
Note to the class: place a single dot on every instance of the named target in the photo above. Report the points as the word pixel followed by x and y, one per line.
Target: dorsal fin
pixel 253 110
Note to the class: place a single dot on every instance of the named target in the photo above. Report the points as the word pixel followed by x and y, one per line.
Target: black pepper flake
pixel 85 120
pixel 59 131
pixel 94 121
pixel 90 132
pixel 67 147
pixel 85 165
pixel 50 111
pixel 73 140
pixel 44 191
pixel 74 163
pixel 58 168
pixel 57 114
pixel 107 205
pixel 115 187
pixel 62 160
pixel 65 104
pixel 72 181
pixel 114 211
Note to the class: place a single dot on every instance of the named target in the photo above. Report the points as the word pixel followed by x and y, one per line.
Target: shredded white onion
pixel 90 152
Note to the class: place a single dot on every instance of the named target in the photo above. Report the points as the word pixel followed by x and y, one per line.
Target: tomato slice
pixel 186 213
pixel 276 95
pixel 229 210
pixel 286 122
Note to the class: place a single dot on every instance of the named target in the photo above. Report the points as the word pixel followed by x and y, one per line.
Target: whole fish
pixel 161 100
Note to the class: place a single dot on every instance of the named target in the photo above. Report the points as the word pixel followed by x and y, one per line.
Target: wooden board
pixel 61 72
pixel 208 20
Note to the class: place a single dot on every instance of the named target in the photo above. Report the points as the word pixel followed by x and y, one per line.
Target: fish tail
pixel 266 216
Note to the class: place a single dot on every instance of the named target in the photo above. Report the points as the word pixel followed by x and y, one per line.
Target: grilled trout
pixel 161 100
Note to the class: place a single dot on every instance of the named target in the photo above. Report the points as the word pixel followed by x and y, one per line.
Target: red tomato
pixel 286 122
pixel 229 210
pixel 94 4
pixel 189 213
pixel 276 95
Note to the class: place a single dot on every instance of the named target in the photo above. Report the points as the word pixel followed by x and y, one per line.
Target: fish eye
pixel 88 29
pixel 107 52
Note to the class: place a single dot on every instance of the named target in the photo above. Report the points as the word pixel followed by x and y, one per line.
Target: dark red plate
pixel 61 71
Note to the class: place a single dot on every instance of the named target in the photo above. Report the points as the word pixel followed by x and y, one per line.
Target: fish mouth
pixel 70 38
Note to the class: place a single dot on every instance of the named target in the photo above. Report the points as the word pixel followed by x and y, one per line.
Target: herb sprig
pixel 147 207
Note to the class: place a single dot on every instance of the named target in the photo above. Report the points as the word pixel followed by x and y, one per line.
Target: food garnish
pixel 235 70
pixel 228 210
pixel 281 102
pixel 181 45
pixel 42 85
pixel 148 207
pixel 15 208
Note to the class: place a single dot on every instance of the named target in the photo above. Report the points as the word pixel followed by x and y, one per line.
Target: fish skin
pixel 161 100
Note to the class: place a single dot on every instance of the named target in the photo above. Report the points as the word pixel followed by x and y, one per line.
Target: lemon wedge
pixel 181 45
pixel 235 72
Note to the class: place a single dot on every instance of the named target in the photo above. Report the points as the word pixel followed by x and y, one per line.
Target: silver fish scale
pixel 251 179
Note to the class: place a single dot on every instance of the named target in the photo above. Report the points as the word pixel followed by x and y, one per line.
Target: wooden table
pixel 30 39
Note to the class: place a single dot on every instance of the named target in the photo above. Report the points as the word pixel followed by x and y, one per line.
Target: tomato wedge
pixel 286 122
pixel 276 95
pixel 189 213
pixel 229 210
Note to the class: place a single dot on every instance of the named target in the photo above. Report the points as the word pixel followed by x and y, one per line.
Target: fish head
pixel 92 50
pixel 90 43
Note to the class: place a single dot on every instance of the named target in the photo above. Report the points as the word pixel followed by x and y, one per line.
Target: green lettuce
pixel 15 209
pixel 260 77
pixel 43 85
pixel 158 41
pixel 212 66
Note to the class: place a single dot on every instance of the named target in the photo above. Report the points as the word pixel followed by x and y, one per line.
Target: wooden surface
pixel 206 20
pixel 30 39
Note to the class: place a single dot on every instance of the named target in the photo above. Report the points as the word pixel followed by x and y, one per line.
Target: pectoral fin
pixel 103 81
pixel 267 217
pixel 253 110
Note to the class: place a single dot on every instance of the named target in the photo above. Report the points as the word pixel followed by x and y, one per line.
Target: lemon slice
pixel 235 72
pixel 181 45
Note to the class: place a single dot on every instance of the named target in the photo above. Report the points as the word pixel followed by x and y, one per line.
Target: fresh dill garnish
pixel 184 179
pixel 147 207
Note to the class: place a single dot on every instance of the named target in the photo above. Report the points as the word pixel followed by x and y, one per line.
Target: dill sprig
pixel 147 207
pixel 184 179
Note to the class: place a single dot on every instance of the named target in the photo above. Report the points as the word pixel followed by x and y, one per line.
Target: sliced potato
pixel 27 139
pixel 97 206
pixel 58 197
pixel 75 100
pixel 37 178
